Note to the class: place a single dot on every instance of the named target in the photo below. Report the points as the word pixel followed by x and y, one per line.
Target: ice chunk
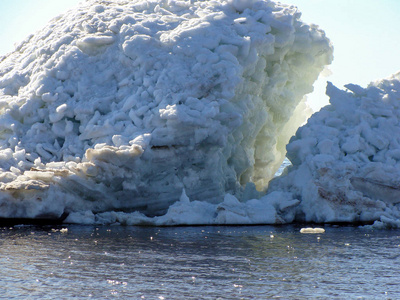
pixel 350 173
pixel 120 105
pixel 312 230
pixel 271 209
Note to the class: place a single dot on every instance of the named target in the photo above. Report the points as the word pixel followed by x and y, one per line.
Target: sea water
pixel 254 262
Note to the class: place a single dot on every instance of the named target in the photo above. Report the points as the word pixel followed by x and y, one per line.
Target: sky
pixel 365 34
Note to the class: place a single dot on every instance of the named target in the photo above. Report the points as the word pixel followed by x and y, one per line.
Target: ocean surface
pixel 221 262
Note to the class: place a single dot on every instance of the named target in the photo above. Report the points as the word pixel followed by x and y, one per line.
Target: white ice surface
pixel 346 159
pixel 310 230
pixel 120 105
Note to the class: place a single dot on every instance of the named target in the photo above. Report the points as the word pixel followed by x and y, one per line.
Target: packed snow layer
pixel 346 159
pixel 121 105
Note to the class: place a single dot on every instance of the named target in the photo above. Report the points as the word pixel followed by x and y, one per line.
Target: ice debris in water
pixel 312 230
pixel 346 159
pixel 120 105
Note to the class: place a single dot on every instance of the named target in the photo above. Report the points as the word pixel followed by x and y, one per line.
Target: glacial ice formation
pixel 346 159
pixel 122 105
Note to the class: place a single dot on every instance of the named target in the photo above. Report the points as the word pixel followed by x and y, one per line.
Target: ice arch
pixel 120 105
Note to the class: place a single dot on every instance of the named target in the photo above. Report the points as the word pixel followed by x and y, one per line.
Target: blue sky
pixel 19 18
pixel 365 34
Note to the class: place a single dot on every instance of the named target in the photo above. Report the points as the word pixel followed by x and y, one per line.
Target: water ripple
pixel 259 262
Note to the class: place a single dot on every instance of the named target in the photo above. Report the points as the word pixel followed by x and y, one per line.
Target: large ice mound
pixel 346 159
pixel 122 105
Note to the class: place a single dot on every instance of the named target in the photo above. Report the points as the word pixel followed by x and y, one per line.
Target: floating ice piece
pixel 119 105
pixel 312 230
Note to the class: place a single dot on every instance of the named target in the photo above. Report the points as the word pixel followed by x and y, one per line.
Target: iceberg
pixel 124 106
pixel 346 159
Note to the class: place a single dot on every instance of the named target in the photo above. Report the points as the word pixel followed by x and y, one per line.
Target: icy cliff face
pixel 120 105
pixel 346 159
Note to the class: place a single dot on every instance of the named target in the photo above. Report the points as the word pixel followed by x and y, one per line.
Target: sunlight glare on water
pixel 259 262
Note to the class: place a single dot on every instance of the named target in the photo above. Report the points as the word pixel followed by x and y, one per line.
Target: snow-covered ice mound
pixel 346 159
pixel 122 105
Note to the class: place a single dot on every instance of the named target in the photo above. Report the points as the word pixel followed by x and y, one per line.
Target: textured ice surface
pixel 346 159
pixel 122 105
pixel 275 208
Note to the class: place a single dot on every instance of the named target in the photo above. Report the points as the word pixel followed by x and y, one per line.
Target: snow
pixel 178 113
pixel 346 163
pixel 116 107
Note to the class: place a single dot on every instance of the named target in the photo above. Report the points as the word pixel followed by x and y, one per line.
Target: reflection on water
pixel 260 262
